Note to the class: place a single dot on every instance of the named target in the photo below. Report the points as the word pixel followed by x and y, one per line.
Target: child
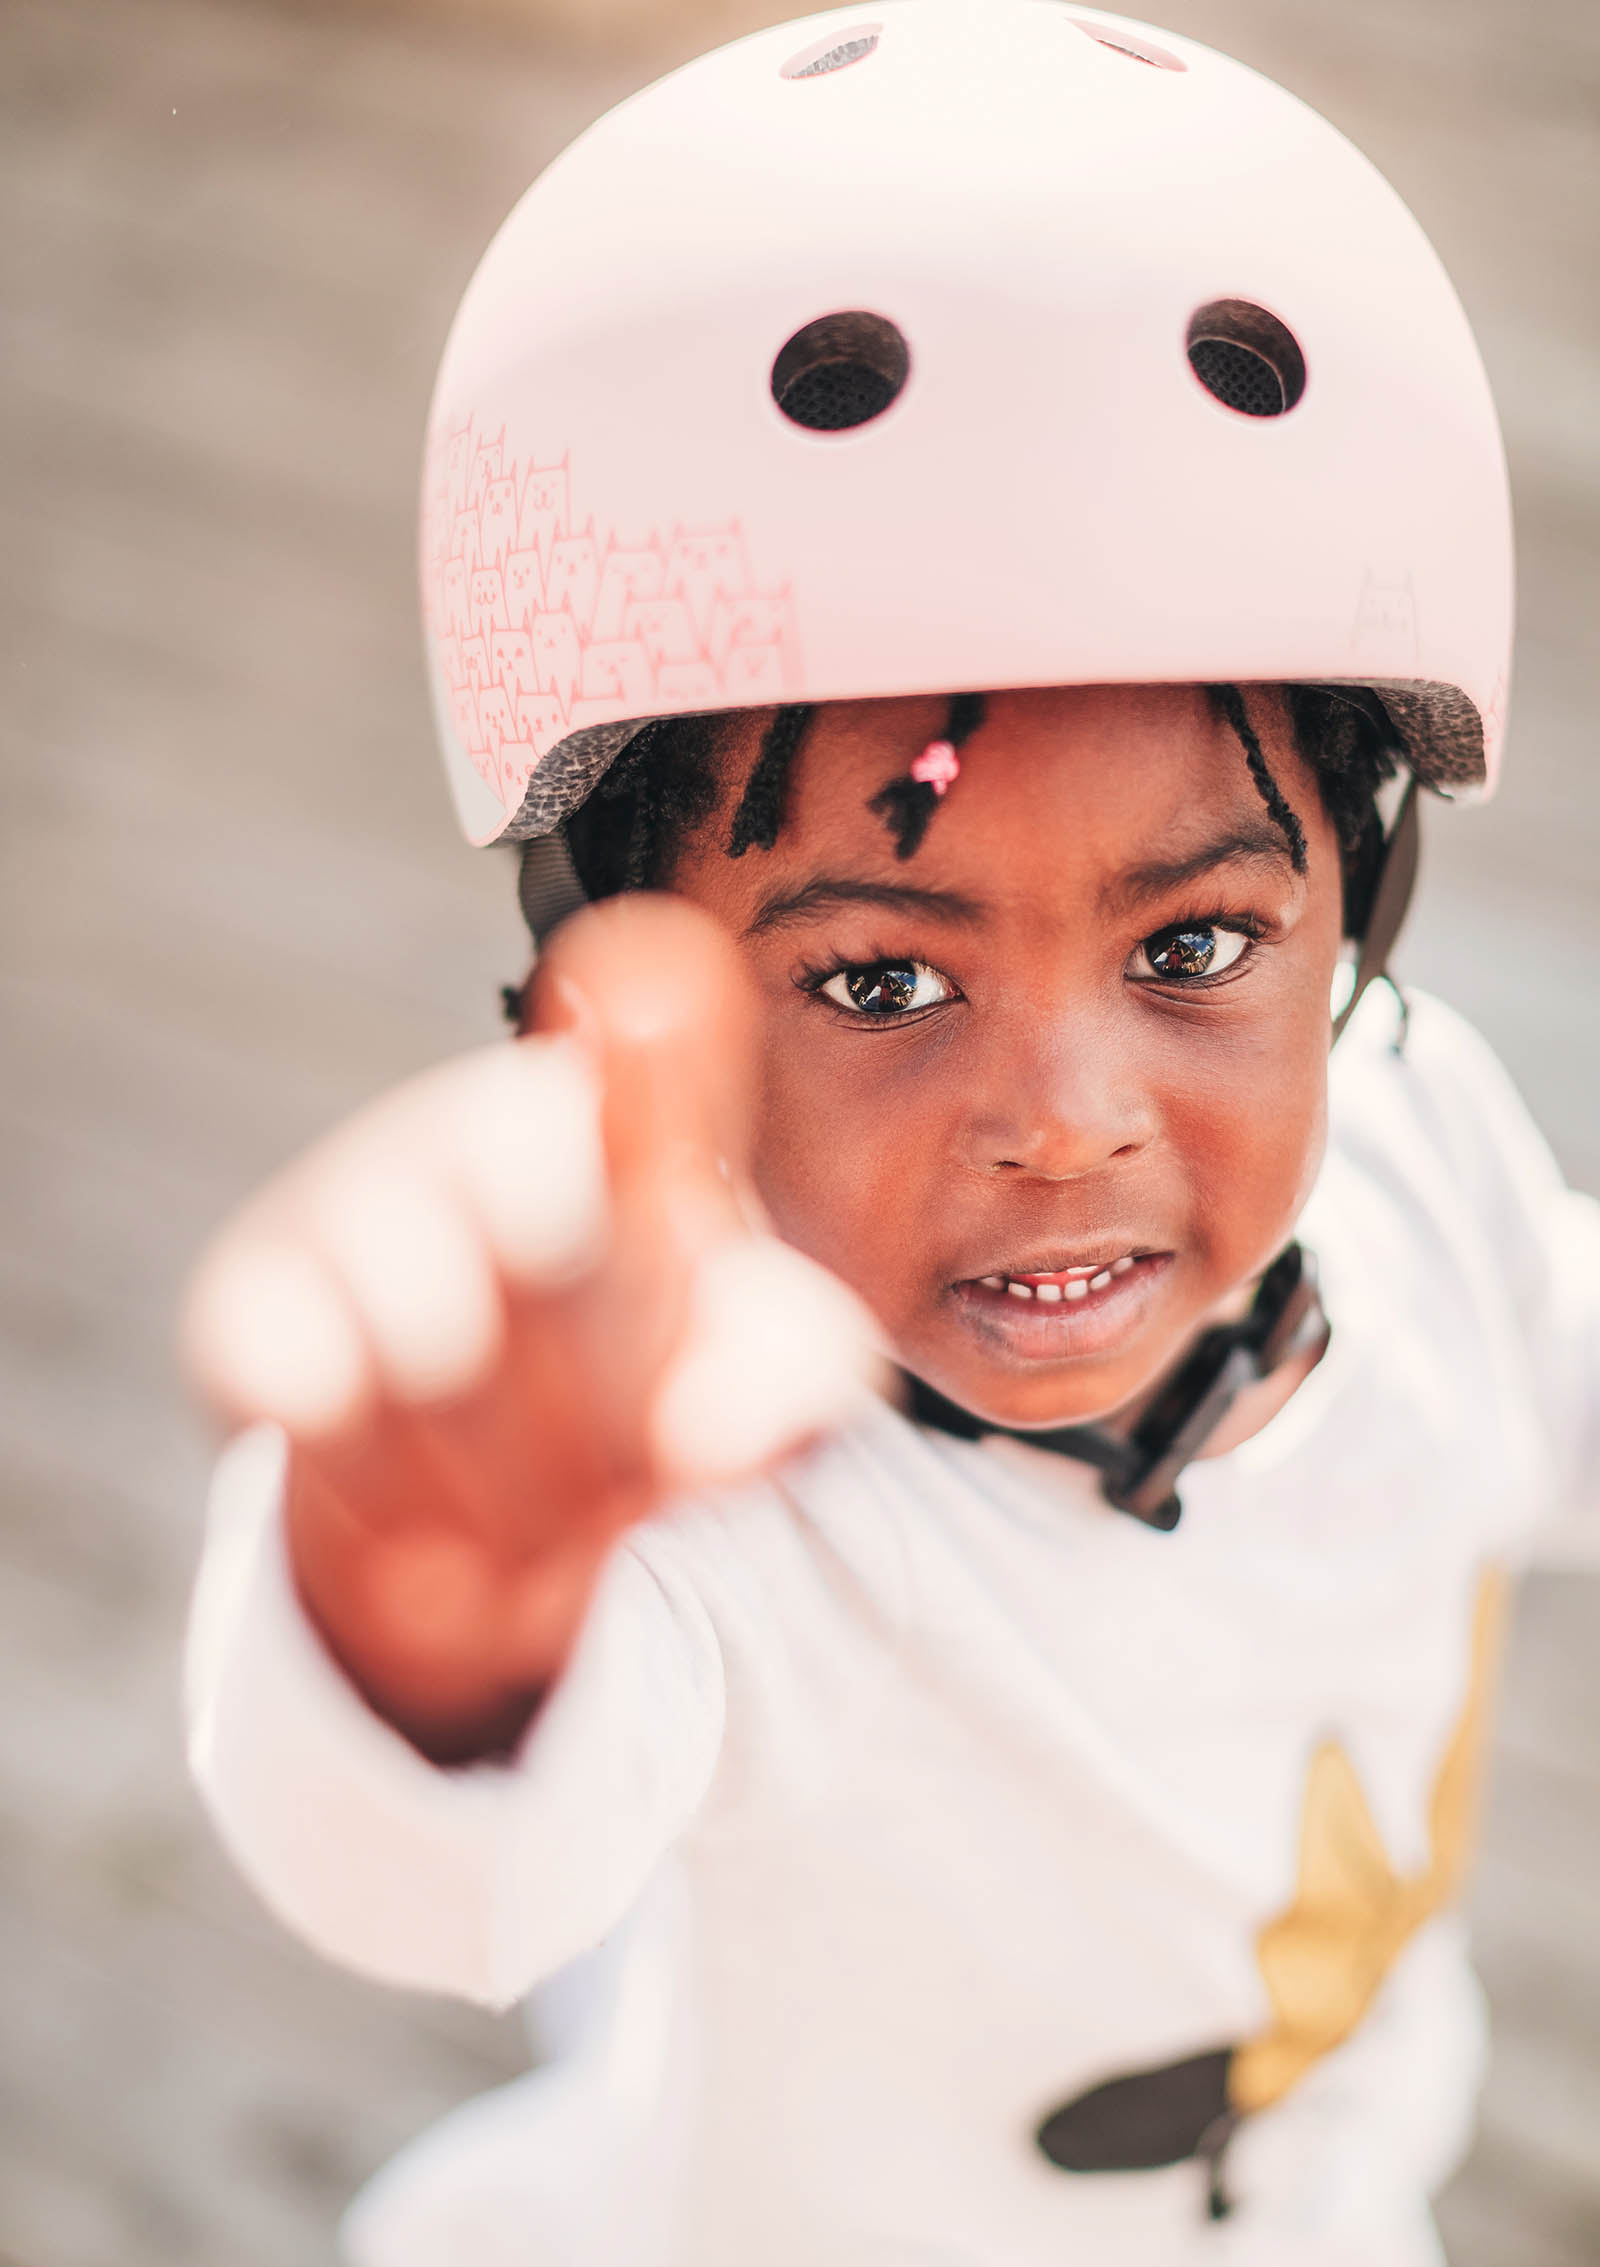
pixel 991 514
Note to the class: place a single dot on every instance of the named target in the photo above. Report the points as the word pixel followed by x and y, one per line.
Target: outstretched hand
pixel 509 1309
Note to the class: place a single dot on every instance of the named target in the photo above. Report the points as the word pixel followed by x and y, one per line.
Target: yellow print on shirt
pixel 1324 1958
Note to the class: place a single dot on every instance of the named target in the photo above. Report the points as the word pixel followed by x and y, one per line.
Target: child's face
pixel 1048 1084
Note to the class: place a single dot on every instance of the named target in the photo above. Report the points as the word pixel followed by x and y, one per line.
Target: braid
pixel 967 712
pixel 644 815
pixel 759 818
pixel 1349 741
pixel 1230 701
pixel 907 804
pixel 662 787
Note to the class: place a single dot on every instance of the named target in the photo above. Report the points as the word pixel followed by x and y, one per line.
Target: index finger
pixel 654 990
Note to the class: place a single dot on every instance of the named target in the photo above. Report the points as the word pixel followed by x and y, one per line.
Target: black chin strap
pixel 1139 1467
pixel 1389 902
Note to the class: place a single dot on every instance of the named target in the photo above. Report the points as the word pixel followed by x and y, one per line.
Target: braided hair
pixel 1350 744
pixel 666 786
pixel 908 803
pixel 758 821
pixel 662 788
pixel 1230 702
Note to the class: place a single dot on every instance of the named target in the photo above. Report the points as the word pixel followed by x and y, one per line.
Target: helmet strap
pixel 1140 1463
pixel 1390 900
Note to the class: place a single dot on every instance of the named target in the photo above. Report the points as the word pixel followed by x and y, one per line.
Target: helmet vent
pixel 1125 43
pixel 1246 359
pixel 836 54
pixel 840 372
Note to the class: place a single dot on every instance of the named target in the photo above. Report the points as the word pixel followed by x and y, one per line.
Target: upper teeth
pixel 1075 1283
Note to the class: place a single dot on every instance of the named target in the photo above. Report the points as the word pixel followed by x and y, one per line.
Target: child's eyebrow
pixel 1246 845
pixel 828 892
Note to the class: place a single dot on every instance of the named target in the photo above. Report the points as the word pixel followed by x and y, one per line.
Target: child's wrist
pixel 450 1647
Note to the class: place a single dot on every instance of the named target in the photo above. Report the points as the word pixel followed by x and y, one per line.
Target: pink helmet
pixel 952 344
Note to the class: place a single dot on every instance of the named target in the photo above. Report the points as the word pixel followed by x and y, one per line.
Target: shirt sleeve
pixel 1542 1241
pixel 1568 1350
pixel 476 1882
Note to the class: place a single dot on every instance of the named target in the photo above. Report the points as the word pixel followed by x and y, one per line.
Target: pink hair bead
pixel 937 766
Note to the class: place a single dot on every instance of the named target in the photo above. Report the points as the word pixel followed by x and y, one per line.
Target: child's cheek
pixel 849 1183
pixel 1252 1134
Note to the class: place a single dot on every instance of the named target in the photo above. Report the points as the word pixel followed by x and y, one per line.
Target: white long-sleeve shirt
pixel 918 1792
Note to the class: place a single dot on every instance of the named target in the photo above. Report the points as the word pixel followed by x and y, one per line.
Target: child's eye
pixel 1185 955
pixel 887 987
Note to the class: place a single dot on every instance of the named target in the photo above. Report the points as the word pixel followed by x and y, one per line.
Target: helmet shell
pixel 621 522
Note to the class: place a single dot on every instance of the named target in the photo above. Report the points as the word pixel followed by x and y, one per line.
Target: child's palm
pixel 498 1325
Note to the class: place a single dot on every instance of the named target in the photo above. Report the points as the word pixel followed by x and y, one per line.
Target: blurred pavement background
pixel 232 905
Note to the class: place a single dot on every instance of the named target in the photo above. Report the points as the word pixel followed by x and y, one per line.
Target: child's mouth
pixel 1082 1308
pixel 1067 1284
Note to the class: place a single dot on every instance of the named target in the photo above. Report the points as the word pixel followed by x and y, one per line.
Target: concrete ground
pixel 232 907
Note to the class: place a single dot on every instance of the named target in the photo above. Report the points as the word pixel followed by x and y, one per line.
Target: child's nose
pixel 1059 1105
